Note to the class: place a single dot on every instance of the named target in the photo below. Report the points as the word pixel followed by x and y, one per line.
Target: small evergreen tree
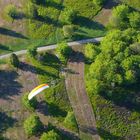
pixel 50 135
pixel 32 125
pixel 14 61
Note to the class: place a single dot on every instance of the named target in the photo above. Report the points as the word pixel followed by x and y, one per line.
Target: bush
pixel 29 104
pixel 91 51
pixel 50 135
pixel 68 31
pixel 32 11
pixel 11 11
pixel 70 121
pixel 32 51
pixel 119 17
pixel 134 20
pixel 32 125
pixel 14 61
pixel 99 2
pixel 63 51
pixel 68 16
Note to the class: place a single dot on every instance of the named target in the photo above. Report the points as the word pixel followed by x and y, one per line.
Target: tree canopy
pixel 50 135
pixel 117 64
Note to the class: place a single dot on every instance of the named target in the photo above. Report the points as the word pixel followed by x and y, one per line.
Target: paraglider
pixel 37 90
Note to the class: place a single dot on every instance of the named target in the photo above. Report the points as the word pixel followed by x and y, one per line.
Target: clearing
pixel 78 97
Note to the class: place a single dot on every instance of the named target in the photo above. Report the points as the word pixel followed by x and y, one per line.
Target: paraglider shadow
pixel 42 108
pixel 8 85
pixel 27 67
pixel 55 111
pixel 11 33
pixel 6 122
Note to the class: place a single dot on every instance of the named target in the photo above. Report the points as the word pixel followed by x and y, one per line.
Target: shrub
pixel 50 135
pixel 119 17
pixel 99 2
pixel 32 125
pixel 14 61
pixel 70 121
pixel 32 51
pixel 68 16
pixel 91 51
pixel 11 11
pixel 68 31
pixel 29 104
pixel 32 11
pixel 134 20
pixel 63 51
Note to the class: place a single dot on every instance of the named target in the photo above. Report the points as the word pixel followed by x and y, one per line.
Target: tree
pixel 32 51
pixel 70 121
pixel 63 51
pixel 29 104
pixel 14 61
pixel 32 125
pixel 117 64
pixel 68 16
pixel 50 135
pixel 11 11
pixel 119 17
pixel 91 51
pixel 134 20
pixel 32 11
pixel 99 2
pixel 68 31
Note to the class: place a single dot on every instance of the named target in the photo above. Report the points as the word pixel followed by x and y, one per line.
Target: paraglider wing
pixel 37 90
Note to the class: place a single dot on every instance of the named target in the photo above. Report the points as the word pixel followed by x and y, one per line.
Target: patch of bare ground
pixel 104 15
pixel 79 99
pixel 14 83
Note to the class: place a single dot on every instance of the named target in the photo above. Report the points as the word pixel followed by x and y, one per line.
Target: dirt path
pixel 79 99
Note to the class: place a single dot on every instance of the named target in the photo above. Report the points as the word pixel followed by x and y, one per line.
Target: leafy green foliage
pixel 32 125
pixel 70 121
pixel 50 135
pixel 29 104
pixel 112 83
pixel 119 17
pixel 91 51
pixel 14 61
pixel 68 16
pixel 134 19
pixel 63 51
pixel 32 11
pixel 11 11
pixel 68 31
pixel 32 51
pixel 99 2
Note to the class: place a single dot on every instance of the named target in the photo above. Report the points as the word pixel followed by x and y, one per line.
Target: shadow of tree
pixel 2 47
pixel 8 32
pixel 8 85
pixel 124 97
pixel 6 121
pixel 49 59
pixel 49 20
pixel 55 5
pixel 107 135
pixel 27 67
pixel 110 4
pixel 86 22
pixel 55 111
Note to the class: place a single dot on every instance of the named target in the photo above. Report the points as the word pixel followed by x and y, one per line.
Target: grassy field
pixel 47 28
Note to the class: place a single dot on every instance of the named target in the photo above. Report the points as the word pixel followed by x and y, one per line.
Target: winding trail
pixel 51 47
pixel 78 98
